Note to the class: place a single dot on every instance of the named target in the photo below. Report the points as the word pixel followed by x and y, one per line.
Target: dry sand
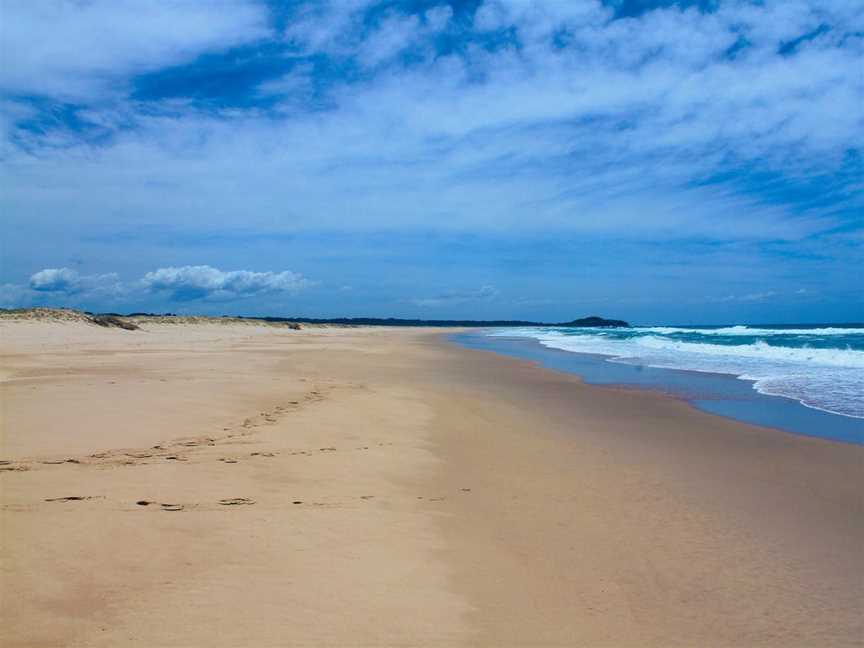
pixel 365 487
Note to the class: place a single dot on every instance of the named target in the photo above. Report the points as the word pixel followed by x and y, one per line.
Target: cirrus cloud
pixel 67 49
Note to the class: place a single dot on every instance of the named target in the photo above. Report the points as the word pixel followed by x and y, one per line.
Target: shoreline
pixel 722 394
pixel 444 497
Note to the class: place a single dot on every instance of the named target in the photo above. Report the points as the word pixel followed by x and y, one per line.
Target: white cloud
pixel 397 33
pixel 537 19
pixel 69 49
pixel 748 297
pixel 438 17
pixel 614 133
pixel 394 34
pixel 297 83
pixel 335 28
pixel 67 287
pixel 64 287
pixel 760 296
pixel 196 282
pixel 56 280
pixel 70 282
pixel 326 25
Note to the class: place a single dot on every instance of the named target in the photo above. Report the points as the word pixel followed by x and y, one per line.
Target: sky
pixel 660 162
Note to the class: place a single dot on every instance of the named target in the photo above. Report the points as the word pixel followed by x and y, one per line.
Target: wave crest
pixel 745 330
pixel 830 379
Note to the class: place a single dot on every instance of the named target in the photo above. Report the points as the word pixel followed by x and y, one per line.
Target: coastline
pixel 720 394
pixel 448 497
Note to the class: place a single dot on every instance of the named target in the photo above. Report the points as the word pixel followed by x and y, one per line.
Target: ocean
pixel 817 367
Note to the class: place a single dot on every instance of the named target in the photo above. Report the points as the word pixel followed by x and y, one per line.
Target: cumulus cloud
pixel 67 287
pixel 56 280
pixel 70 282
pixel 63 287
pixel 197 282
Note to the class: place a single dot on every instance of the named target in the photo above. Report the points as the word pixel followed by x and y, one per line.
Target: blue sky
pixel 663 162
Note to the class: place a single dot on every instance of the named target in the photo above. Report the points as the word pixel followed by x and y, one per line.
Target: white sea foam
pixel 760 350
pixel 746 330
pixel 830 379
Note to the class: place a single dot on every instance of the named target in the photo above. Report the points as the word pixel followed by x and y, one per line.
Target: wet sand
pixel 245 486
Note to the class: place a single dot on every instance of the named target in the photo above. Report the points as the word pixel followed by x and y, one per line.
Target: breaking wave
pixel 822 367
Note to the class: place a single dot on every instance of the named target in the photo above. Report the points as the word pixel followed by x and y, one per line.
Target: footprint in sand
pixel 164 507
pixel 191 443
pixel 73 498
pixel 11 468
pixel 236 501
pixel 228 460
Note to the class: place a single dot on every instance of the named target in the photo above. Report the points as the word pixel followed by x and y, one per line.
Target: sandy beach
pixel 245 485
